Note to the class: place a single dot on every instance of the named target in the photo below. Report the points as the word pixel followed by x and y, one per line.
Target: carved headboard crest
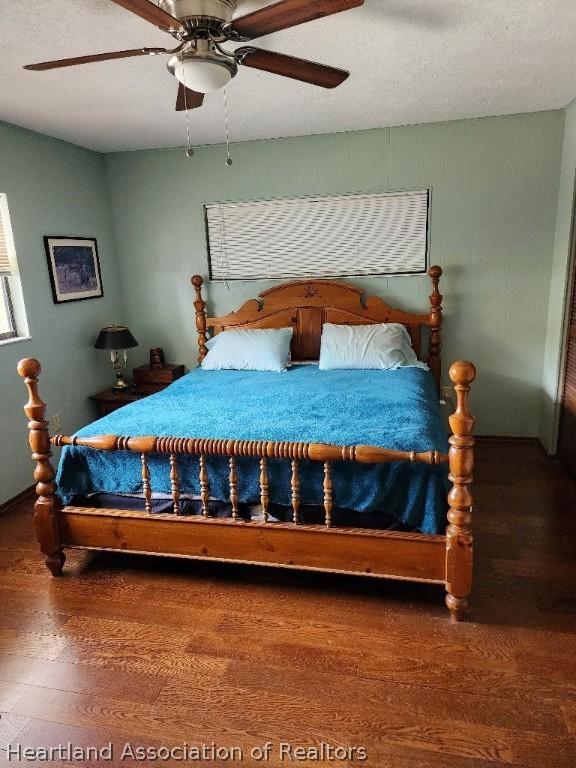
pixel 306 305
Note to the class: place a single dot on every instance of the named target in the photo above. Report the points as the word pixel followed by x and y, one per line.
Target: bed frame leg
pixel 46 506
pixel 459 532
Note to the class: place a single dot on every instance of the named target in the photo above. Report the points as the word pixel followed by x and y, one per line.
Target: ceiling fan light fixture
pixel 202 73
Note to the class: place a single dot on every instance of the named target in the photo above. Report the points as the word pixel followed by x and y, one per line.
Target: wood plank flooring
pixel 156 652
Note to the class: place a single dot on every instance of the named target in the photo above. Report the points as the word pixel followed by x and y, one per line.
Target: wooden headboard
pixel 306 305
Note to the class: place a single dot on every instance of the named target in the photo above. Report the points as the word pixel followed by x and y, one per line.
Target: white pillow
pixel 250 349
pixel 211 342
pixel 382 346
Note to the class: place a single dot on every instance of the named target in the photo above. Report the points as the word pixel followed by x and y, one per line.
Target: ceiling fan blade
pixel 287 13
pixel 152 13
pixel 188 99
pixel 288 66
pixel 96 57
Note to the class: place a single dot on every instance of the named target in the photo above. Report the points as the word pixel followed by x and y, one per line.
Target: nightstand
pixel 108 400
pixel 150 380
pixel 146 381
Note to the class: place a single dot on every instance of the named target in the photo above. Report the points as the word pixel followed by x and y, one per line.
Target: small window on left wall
pixel 13 324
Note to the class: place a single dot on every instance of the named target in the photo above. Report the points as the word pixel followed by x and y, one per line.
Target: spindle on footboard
pixel 233 487
pixel 437 559
pixel 175 484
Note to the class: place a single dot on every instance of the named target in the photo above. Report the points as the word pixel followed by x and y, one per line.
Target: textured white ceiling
pixel 412 61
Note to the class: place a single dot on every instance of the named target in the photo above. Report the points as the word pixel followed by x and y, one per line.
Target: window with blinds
pixel 340 236
pixel 6 261
pixel 8 277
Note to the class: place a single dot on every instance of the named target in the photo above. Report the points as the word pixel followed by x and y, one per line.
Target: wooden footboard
pixel 414 556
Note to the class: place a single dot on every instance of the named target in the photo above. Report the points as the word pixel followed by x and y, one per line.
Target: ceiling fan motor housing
pixel 220 11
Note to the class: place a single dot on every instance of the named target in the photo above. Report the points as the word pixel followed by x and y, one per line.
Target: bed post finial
pixel 46 506
pixel 459 532
pixel 200 307
pixel 434 347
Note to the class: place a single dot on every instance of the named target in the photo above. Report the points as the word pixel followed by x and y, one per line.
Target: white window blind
pixel 5 238
pixel 367 234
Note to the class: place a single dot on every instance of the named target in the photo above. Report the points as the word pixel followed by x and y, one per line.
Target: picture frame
pixel 74 268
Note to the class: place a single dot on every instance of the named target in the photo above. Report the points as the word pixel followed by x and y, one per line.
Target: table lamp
pixel 117 339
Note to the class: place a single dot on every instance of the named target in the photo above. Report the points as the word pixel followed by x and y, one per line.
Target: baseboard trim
pixel 506 439
pixel 16 499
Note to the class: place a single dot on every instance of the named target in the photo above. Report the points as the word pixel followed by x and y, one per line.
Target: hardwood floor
pixel 157 652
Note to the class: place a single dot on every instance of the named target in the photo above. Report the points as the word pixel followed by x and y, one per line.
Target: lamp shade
pixel 115 337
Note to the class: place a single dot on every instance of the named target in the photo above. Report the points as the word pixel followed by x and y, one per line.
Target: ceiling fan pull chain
pixel 189 150
pixel 228 158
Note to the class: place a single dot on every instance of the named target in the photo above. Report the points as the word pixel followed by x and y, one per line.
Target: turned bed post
pixel 434 345
pixel 200 307
pixel 459 532
pixel 46 506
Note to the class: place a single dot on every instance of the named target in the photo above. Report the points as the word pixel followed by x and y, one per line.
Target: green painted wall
pixel 553 358
pixel 53 188
pixel 495 189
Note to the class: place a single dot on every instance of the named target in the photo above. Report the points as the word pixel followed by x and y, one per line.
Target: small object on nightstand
pixel 156 358
pixel 117 339
pixel 149 379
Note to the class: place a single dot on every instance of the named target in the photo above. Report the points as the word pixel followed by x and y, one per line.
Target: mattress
pixel 390 409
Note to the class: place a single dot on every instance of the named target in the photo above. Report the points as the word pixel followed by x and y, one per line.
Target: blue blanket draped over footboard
pixel 390 409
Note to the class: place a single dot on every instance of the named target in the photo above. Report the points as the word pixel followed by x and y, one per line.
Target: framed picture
pixel 74 268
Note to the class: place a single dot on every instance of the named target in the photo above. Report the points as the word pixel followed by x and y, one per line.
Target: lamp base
pixel 121 384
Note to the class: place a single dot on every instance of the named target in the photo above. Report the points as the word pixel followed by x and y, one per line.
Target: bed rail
pixel 460 459
pixel 262 449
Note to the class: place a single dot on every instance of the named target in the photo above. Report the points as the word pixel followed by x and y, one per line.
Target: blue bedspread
pixel 392 409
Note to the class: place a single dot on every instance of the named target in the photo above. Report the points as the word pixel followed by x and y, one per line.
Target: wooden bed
pixel 304 305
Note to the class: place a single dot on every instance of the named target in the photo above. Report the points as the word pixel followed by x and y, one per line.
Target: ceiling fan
pixel 201 27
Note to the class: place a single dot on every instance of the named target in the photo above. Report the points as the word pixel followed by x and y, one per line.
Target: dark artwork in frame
pixel 74 268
